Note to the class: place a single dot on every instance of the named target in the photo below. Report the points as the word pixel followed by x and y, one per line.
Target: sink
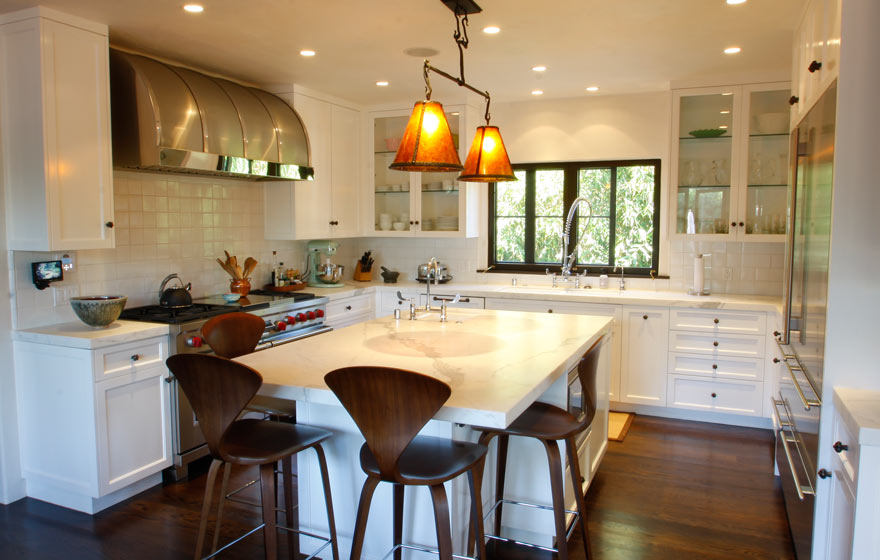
pixel 549 290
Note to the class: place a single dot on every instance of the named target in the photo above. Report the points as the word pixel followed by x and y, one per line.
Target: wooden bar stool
pixel 235 334
pixel 218 390
pixel 550 424
pixel 390 406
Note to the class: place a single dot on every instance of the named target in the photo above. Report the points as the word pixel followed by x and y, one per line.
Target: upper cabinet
pixel 419 204
pixel 328 206
pixel 730 148
pixel 55 118
pixel 816 57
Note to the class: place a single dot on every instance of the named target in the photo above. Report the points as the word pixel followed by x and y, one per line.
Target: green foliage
pixel 635 216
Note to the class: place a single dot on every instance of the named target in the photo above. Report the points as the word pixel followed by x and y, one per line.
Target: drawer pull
pixel 348 308
pixel 815 65
pixel 168 379
pixel 714 395
pixel 716 321
pixel 135 357
pixel 824 473
pixel 549 311
pixel 839 447
pixel 645 317
pixel 776 360
pixel 715 343
pixel 714 366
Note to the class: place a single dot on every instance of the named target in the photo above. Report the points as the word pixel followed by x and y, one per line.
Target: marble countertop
pixel 545 292
pixel 496 362
pixel 860 410
pixel 79 335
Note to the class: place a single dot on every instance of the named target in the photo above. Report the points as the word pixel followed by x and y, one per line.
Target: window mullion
pixel 612 219
pixel 530 216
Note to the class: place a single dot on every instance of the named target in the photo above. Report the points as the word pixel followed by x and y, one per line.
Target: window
pixel 526 217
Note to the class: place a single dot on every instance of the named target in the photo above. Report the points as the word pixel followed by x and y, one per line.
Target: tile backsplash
pixel 170 223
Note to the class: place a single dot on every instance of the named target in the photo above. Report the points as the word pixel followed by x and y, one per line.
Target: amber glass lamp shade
pixel 427 143
pixel 487 161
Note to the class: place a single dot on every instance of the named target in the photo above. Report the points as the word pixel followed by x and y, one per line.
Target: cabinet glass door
pixel 440 192
pixel 767 175
pixel 705 148
pixel 392 188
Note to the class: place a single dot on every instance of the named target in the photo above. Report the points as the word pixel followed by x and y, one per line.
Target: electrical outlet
pixel 727 273
pixel 62 295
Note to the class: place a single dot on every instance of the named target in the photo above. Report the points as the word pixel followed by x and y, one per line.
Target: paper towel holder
pixel 699 276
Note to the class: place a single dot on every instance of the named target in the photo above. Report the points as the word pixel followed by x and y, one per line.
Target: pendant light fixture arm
pixel 428 68
pixel 461 39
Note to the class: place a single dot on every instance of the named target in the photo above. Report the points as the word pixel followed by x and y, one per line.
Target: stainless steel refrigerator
pixel 799 403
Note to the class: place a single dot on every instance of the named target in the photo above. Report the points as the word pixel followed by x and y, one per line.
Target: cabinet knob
pixel 549 311
pixel 417 222
pixel 776 360
pixel 109 224
pixel 714 395
pixel 645 317
pixel 824 473
pixel 716 321
pixel 168 379
pixel 732 224
pixel 715 343
pixel 411 222
pixel 714 366
pixel 839 447
pixel 334 223
pixel 135 357
pixel 348 308
pixel 793 99
pixel 741 224
pixel 776 333
pixel 815 65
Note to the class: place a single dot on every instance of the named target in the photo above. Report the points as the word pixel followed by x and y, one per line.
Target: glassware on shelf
pixel 693 175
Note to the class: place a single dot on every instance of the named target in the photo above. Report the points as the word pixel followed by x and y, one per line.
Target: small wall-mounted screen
pixel 48 271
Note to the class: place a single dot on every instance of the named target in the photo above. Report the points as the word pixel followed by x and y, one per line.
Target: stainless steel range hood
pixel 168 118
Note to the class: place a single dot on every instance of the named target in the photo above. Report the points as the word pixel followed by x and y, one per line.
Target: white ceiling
pixel 623 46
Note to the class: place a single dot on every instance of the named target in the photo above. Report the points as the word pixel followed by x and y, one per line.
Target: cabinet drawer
pixel 344 310
pixel 734 397
pixel 848 458
pixel 565 307
pixel 748 369
pixel 718 322
pixel 741 345
pixel 129 358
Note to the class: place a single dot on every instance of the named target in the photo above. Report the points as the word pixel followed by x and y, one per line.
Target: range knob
pixel 291 320
pixel 319 312
pixel 280 326
pixel 300 317
pixel 311 315
pixel 194 342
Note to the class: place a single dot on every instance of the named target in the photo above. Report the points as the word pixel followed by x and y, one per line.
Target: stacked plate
pixel 447 223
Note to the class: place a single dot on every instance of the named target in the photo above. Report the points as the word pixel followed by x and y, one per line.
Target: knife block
pixel 362 276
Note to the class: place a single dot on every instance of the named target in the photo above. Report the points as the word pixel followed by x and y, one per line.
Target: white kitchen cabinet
pixel 643 364
pixel 94 430
pixel 816 55
pixel 55 118
pixel 342 312
pixel 715 395
pixel 733 185
pixel 423 204
pixel 328 206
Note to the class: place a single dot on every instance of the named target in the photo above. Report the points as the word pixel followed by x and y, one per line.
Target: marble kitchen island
pixel 496 362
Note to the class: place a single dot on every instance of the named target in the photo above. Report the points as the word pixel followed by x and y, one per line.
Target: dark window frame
pixel 570 169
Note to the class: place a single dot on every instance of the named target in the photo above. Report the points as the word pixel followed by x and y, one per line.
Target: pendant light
pixel 427 143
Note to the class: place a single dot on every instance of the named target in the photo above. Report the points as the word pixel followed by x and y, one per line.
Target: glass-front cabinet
pixel 730 148
pixel 419 204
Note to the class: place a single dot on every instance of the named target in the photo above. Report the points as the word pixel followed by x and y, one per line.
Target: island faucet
pixel 434 269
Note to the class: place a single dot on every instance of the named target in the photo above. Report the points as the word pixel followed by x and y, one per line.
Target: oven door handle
pixel 272 343
pixel 786 356
pixel 802 490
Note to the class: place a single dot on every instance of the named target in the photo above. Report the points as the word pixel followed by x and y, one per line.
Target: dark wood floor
pixel 672 490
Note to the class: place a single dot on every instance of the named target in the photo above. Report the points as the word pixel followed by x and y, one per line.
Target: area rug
pixel 618 425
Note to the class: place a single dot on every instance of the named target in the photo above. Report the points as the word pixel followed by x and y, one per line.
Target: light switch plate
pixel 62 294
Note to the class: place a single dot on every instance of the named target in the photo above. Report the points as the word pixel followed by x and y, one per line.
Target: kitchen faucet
pixel 568 261
pixel 435 269
pixel 622 279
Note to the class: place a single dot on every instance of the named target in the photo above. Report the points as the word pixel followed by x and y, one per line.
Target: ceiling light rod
pixel 460 81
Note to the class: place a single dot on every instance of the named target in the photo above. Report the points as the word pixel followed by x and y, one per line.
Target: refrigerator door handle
pixel 786 356
pixel 785 439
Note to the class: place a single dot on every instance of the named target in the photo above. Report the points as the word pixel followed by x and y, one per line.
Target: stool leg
pixel 485 438
pixel 206 505
pixel 328 500
pixel 441 519
pixel 575 469
pixel 558 494
pixel 290 508
pixel 500 472
pixel 267 485
pixel 224 486
pixel 475 479
pixel 398 519
pixel 360 524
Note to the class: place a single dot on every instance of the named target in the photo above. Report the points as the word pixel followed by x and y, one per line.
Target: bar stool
pixel 550 424
pixel 390 406
pixel 235 334
pixel 218 390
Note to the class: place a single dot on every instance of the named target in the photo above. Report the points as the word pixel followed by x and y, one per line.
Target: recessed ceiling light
pixel 722 126
pixel 725 112
pixel 194 8
pixel 734 2
pixel 382 84
pixel 454 113
pixel 491 30
pixel 593 88
pixel 727 93
pixel 537 92
pixel 538 68
pixel 307 53
pixel 732 50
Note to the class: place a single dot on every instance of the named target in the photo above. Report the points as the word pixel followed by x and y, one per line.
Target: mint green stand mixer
pixel 322 273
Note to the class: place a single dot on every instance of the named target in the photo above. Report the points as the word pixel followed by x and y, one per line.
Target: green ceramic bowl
pixel 707 132
pixel 98 311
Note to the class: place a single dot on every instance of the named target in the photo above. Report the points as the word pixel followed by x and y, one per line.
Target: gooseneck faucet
pixel 433 268
pixel 568 258
pixel 622 279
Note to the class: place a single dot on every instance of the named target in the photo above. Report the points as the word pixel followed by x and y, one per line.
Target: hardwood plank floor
pixel 672 489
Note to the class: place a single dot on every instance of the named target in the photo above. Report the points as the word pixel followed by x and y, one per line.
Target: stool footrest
pixel 422 549
pixel 568 532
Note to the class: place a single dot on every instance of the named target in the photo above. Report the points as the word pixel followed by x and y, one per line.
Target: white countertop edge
pixel 79 335
pixel 729 302
pixel 860 410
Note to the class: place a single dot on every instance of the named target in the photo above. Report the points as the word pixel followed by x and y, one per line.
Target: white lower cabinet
pixel 643 367
pixel 699 393
pixel 93 432
pixel 347 311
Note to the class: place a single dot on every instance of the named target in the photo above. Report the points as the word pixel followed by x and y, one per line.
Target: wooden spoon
pixel 249 265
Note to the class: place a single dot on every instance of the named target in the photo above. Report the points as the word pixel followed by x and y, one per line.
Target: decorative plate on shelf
pixel 707 132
